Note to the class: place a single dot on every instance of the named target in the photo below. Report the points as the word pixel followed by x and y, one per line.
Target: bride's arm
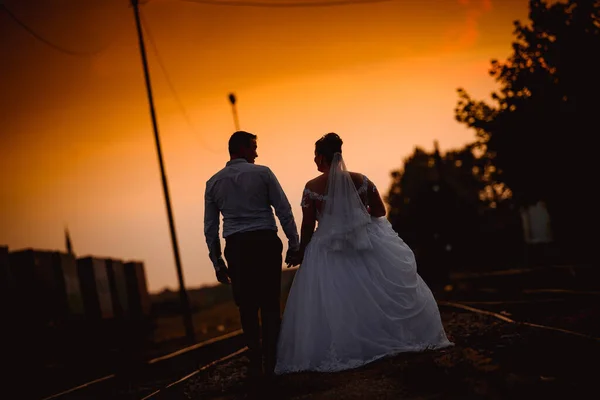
pixel 308 221
pixel 377 207
pixel 308 227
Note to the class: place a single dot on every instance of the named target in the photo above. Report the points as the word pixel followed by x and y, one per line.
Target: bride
pixel 357 296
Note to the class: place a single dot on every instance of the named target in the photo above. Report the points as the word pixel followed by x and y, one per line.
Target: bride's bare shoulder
pixel 316 183
pixel 357 177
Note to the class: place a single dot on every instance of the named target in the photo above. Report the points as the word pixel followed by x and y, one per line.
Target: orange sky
pixel 76 143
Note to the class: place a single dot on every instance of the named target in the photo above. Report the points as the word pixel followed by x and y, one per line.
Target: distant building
pixel 118 287
pixel 46 284
pixel 95 288
pixel 42 288
pixel 137 287
pixel 66 267
pixel 53 303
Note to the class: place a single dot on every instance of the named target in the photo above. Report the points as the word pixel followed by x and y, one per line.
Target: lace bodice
pixel 309 197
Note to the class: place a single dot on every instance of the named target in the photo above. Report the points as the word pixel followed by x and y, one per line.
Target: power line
pixel 295 4
pixel 169 82
pixel 46 41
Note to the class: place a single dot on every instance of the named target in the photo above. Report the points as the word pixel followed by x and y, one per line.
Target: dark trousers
pixel 254 260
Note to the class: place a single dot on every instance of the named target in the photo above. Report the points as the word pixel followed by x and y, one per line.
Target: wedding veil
pixel 344 218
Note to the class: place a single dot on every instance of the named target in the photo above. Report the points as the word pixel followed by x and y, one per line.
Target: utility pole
pixel 185 303
pixel 233 108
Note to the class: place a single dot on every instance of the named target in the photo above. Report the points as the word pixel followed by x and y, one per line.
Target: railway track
pixel 552 311
pixel 560 336
pixel 162 376
pixel 503 317
pixel 148 379
pixel 564 298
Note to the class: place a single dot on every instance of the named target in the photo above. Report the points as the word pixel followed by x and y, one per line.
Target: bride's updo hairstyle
pixel 328 145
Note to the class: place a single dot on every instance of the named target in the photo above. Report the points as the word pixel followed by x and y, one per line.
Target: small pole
pixel 232 100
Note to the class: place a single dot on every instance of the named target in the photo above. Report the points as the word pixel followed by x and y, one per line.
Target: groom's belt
pixel 254 234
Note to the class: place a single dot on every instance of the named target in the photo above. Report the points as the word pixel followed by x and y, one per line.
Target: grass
pixel 210 322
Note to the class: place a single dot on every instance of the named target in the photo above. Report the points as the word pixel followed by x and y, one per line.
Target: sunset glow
pixel 77 148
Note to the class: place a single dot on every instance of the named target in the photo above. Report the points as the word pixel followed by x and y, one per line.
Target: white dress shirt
pixel 245 194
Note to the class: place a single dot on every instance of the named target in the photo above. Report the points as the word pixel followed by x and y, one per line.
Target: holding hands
pixel 293 257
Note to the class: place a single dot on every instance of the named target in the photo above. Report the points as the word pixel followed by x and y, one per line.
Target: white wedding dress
pixel 357 296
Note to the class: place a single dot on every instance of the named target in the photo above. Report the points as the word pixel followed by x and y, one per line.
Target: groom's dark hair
pixel 238 140
pixel 328 145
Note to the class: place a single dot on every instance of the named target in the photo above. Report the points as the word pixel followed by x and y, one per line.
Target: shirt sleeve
pixel 283 210
pixel 211 228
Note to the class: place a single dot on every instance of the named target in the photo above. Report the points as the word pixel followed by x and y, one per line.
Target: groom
pixel 244 193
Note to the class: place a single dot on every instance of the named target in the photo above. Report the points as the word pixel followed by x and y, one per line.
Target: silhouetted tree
pixel 538 131
pixel 448 209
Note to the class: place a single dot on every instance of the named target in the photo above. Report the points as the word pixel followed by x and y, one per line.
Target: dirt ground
pixel 491 359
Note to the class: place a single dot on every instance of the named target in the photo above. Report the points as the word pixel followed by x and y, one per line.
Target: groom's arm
pixel 283 210
pixel 211 229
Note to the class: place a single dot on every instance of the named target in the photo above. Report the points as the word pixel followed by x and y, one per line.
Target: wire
pixel 241 3
pixel 296 4
pixel 170 83
pixel 46 41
